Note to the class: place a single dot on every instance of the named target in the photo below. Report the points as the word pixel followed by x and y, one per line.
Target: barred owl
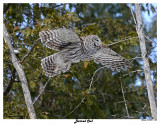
pixel 73 49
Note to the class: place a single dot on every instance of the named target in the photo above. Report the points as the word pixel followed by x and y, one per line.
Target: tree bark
pixel 21 75
pixel 145 62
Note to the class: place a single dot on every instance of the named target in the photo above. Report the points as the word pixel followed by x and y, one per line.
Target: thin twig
pixel 132 72
pixel 149 39
pixel 121 41
pixel 75 107
pixel 41 91
pixel 124 99
pixel 97 76
pixel 59 5
pixel 150 50
pixel 134 58
pixel 144 106
pixel 36 42
pixel 133 15
pixel 93 76
pixel 87 92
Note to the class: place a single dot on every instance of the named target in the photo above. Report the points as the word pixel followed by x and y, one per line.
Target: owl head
pixel 92 43
pixel 96 41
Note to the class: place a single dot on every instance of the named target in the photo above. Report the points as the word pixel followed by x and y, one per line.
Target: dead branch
pixel 93 76
pixel 87 92
pixel 34 45
pixel 59 5
pixel 149 39
pixel 121 41
pixel 41 91
pixel 75 107
pixel 132 72
pixel 133 14
pixel 21 75
pixel 124 99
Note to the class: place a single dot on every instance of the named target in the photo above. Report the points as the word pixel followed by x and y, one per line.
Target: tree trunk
pixel 21 75
pixel 145 62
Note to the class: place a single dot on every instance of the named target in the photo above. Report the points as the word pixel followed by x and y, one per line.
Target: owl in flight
pixel 72 49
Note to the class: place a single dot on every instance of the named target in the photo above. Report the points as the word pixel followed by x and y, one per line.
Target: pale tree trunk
pixel 21 75
pixel 145 62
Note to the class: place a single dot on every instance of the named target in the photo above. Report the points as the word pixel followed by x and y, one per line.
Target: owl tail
pixel 53 65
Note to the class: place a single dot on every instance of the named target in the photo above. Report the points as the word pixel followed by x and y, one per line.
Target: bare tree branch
pixel 144 106
pixel 132 72
pixel 94 75
pixel 124 99
pixel 87 92
pixel 132 59
pixel 21 75
pixel 75 107
pixel 41 91
pixel 121 41
pixel 148 39
pixel 59 5
pixel 147 73
pixel 36 42
pixel 133 14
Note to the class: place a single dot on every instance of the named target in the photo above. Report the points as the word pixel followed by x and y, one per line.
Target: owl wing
pixel 55 64
pixel 110 59
pixel 58 39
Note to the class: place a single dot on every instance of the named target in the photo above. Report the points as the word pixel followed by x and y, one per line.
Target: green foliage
pixel 15 108
pixel 112 23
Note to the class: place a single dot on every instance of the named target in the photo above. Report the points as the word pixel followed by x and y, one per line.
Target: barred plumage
pixel 110 59
pixel 73 49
